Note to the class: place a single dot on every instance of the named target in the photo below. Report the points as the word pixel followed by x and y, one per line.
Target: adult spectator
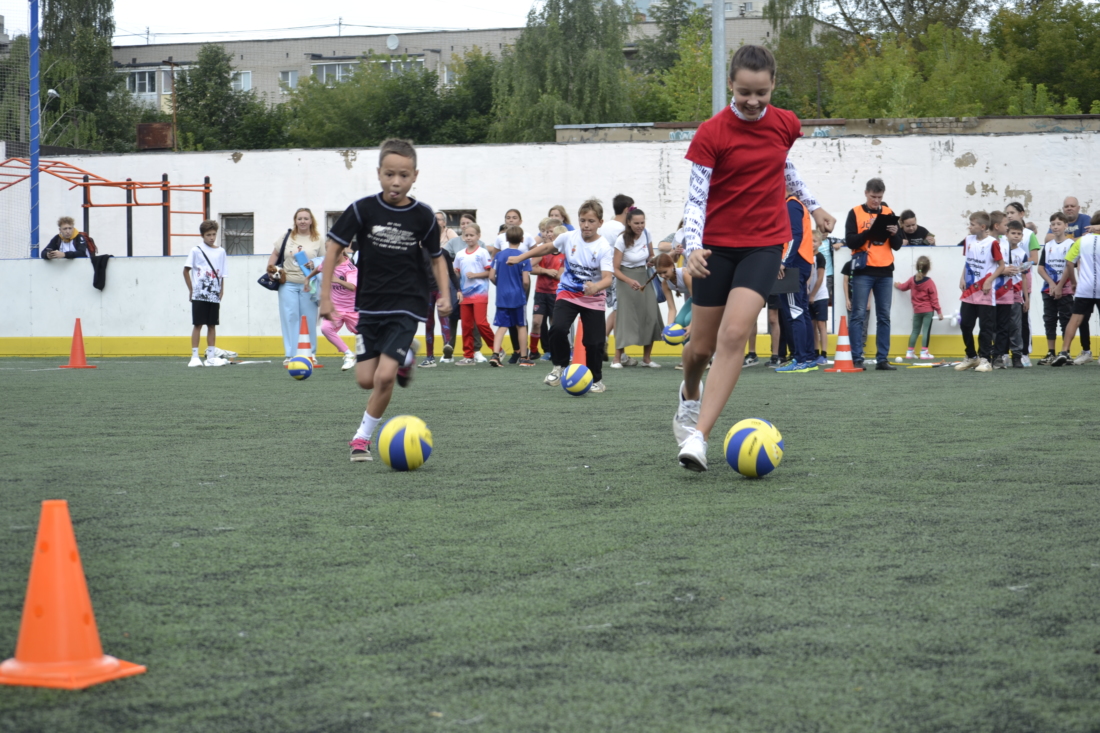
pixel 446 234
pixel 558 211
pixel 639 320
pixel 1079 223
pixel 68 244
pixel 294 300
pixel 610 231
pixel 872 272
pixel 912 234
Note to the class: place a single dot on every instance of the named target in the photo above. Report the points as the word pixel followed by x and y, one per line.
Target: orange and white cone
pixel 843 358
pixel 305 349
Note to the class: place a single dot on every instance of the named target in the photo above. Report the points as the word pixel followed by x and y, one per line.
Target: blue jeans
pixel 295 302
pixel 883 288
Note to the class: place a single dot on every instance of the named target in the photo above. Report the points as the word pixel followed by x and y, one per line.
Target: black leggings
pixel 594 323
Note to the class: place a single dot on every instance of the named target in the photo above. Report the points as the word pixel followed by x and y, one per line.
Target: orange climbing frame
pixel 16 170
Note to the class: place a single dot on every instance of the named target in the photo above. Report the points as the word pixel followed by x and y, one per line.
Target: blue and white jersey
pixel 584 262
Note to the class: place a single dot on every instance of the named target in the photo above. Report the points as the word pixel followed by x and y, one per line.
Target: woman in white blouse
pixel 638 322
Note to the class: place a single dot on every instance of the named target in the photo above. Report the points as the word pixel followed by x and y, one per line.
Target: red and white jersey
pixel 983 257
pixel 1010 289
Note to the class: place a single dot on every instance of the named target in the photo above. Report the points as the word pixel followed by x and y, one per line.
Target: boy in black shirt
pixel 392 294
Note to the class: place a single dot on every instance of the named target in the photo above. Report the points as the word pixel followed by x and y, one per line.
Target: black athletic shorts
pixel 772 301
pixel 204 313
pixel 544 304
pixel 1084 306
pixel 386 334
pixel 819 310
pixel 755 268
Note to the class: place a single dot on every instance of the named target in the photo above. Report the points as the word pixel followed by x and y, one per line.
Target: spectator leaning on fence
pixel 69 243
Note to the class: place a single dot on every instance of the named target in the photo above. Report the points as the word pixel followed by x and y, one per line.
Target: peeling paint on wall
pixel 970 188
pixel 1019 193
pixel 236 157
pixel 966 160
pixel 349 157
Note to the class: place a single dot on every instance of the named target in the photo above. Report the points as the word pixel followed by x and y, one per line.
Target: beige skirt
pixel 638 322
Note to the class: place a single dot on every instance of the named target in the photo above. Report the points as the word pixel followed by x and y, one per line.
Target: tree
pixel 467 106
pixel 566 68
pixel 214 116
pixel 64 20
pixel 907 19
pixel 658 53
pixel 802 51
pixel 688 83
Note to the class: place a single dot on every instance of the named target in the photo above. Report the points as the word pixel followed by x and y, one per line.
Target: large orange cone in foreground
pixel 842 361
pixel 58 641
pixel 76 352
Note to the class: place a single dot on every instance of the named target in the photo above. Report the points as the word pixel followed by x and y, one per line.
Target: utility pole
pixel 340 26
pixel 718 56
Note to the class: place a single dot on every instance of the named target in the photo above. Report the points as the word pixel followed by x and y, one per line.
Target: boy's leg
pixel 987 330
pixel 513 335
pixel 1025 330
pixel 524 349
pixel 564 315
pixel 1068 335
pixel 429 327
pixel 1050 320
pixel 196 333
pixel 1086 337
pixel 536 332
pixel 593 341
pixel 968 316
pixel 775 330
pixel 1004 323
pixel 1015 338
pixel 211 336
pixel 468 330
pixel 498 339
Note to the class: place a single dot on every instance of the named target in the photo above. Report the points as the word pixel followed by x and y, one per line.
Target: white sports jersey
pixel 1085 254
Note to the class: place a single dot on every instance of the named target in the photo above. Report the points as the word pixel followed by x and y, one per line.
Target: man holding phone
pixel 871 233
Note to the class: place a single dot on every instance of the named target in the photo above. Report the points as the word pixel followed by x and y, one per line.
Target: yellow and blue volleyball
pixel 674 334
pixel 576 379
pixel 754 447
pixel 405 443
pixel 299 367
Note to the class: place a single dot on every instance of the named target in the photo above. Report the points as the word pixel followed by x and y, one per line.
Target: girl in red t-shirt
pixel 735 227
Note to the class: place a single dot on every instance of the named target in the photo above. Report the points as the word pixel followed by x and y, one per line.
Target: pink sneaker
pixel 360 450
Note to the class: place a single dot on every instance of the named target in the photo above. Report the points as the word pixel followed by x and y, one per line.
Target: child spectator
pixel 819 307
pixel 513 282
pixel 1009 291
pixel 794 308
pixel 912 233
pixel 207 261
pixel 1081 266
pixel 512 218
pixel 472 266
pixel 549 270
pixel 984 264
pixel 1057 295
pixel 345 278
pixel 444 323
pixel 926 301
pixel 675 280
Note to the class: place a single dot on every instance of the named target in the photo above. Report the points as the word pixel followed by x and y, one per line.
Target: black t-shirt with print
pixel 917 238
pixel 393 275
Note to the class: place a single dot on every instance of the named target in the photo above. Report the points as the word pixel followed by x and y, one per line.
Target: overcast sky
pixel 277 17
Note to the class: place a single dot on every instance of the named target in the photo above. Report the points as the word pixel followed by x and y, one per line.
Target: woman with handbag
pixel 294 299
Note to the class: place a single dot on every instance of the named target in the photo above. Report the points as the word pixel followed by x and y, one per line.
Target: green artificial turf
pixel 925 558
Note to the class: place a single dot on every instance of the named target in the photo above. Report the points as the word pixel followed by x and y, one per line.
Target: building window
pixel 237 234
pixel 729 7
pixel 449 76
pixel 142 82
pixel 241 81
pixel 748 7
pixel 399 66
pixel 288 79
pixel 330 74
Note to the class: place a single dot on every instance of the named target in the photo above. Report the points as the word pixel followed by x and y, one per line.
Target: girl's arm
pixel 668 299
pixel 695 218
pixel 905 285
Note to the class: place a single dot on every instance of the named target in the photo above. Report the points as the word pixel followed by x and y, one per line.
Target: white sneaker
pixel 554 377
pixel 479 358
pixel 349 361
pixel 651 365
pixel 1083 358
pixel 693 452
pixel 983 365
pixel 598 387
pixel 225 354
pixel 287 360
pixel 687 415
pixel 445 360
pixel 910 355
pixel 924 354
pixel 616 365
pixel 967 363
pixel 195 362
pixel 1026 360
pixel 213 361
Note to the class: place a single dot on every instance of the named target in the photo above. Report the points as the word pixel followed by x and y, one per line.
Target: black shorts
pixel 773 302
pixel 386 334
pixel 544 304
pixel 755 268
pixel 1084 306
pixel 204 313
pixel 819 310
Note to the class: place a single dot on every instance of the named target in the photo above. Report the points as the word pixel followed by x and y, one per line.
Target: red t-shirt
pixel 545 283
pixel 746 204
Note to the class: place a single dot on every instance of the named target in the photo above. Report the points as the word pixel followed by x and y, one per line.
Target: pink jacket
pixel 925 297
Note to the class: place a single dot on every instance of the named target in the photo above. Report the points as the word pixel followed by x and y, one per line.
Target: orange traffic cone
pixel 843 358
pixel 580 356
pixel 304 347
pixel 58 642
pixel 76 353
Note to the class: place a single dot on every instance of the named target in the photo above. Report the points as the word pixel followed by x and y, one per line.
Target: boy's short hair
pixel 876 185
pixel 996 217
pixel 503 228
pixel 980 217
pixel 396 146
pixel 1095 220
pixel 592 205
pixel 208 226
pixel 1015 225
pixel 560 230
pixel 753 58
pixel 65 220
pixel 1060 217
pixel 550 222
pixel 907 215
pixel 514 235
pixel 621 203
pixel 475 226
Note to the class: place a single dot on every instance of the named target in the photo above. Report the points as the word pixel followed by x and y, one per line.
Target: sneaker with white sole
pixel 1046 360
pixel 216 361
pixel 554 377
pixel 598 387
pixel 984 365
pixel 448 353
pixel 287 360
pixel 967 363
pixel 1025 360
pixel 360 450
pixel 924 354
pixel 428 363
pixel 616 365
pixel 687 415
pixel 693 452
pixel 479 358
pixel 1083 358
pixel 1060 360
pixel 195 362
pixel 225 354
pixel 650 364
pixel 349 361
pixel 465 362
pixel 910 355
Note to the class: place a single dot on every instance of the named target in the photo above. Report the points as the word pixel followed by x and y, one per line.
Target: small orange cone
pixel 76 353
pixel 304 347
pixel 580 356
pixel 58 642
pixel 843 358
